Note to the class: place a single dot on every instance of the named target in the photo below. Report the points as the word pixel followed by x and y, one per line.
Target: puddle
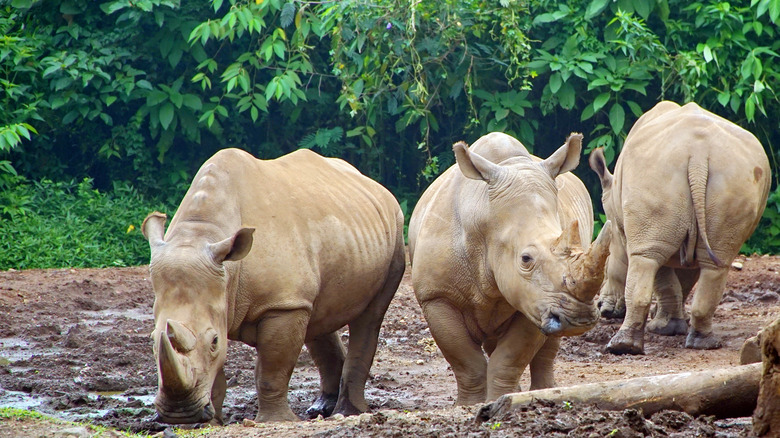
pixel 14 349
pixel 102 321
pixel 100 315
pixel 20 400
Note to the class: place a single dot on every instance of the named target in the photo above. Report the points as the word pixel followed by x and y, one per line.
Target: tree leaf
pixel 587 113
pixel 166 115
pixel 600 101
pixel 288 14
pixel 635 108
pixel 617 117
pixel 566 96
pixel 774 10
pixel 555 82
pixel 643 8
pixel 595 7
pixel 544 18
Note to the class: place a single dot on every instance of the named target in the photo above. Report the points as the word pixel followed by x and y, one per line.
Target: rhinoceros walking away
pixel 501 262
pixel 688 190
pixel 275 254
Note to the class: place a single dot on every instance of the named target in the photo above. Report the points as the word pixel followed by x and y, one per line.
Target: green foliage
pixel 766 238
pixel 139 93
pixel 71 224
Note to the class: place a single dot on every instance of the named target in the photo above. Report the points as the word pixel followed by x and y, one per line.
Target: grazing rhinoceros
pixel 328 252
pixel 498 263
pixel 689 188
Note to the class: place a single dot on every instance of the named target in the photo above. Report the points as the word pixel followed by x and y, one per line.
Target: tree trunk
pixel 766 418
pixel 725 393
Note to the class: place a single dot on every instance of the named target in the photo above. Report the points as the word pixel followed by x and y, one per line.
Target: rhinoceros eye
pixel 214 343
pixel 527 260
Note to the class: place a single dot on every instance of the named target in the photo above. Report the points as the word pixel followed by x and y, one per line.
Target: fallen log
pixel 724 393
pixel 766 418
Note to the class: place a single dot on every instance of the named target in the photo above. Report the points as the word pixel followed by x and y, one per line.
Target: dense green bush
pixel 139 93
pixel 50 224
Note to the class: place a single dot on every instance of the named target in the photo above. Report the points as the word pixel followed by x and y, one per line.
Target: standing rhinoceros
pixel 689 188
pixel 498 263
pixel 328 251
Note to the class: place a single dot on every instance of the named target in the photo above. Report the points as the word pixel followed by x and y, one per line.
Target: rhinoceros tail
pixel 698 172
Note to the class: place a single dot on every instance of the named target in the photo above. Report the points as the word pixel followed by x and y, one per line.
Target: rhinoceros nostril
pixel 551 324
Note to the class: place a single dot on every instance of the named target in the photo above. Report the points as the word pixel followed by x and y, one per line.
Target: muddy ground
pixel 74 343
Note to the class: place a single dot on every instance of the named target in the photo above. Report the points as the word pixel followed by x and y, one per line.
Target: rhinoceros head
pixel 540 268
pixel 190 317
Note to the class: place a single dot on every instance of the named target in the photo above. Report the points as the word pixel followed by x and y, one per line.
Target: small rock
pixel 248 423
pixel 337 417
pixel 72 432
pixel 737 265
pixel 419 362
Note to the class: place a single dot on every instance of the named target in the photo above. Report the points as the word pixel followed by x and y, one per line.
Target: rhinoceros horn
pixel 588 269
pixel 174 373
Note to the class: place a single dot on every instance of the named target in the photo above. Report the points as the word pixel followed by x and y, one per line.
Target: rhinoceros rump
pixel 275 254
pixel 501 263
pixel 689 188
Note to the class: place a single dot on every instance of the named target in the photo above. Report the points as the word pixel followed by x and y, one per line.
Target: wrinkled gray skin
pixel 275 254
pixel 502 263
pixel 688 190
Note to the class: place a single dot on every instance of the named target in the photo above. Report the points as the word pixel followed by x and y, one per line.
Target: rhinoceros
pixel 276 254
pixel 502 262
pixel 689 188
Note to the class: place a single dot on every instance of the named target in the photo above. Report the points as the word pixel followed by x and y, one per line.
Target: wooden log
pixel 724 393
pixel 766 418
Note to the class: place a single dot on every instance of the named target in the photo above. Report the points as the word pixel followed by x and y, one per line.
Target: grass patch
pixel 49 224
pixel 48 425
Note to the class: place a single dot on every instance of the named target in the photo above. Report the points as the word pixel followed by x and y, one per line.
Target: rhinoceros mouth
pixel 557 323
pixel 183 412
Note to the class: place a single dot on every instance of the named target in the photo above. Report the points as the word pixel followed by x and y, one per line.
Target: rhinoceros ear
pixel 234 248
pixel 566 158
pixel 599 165
pixel 153 228
pixel 473 165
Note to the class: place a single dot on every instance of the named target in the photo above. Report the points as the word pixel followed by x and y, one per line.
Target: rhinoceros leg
pixel 511 355
pixel 688 279
pixel 640 283
pixel 463 353
pixel 328 354
pixel 669 319
pixel 218 390
pixel 712 282
pixel 280 337
pixel 612 300
pixel 542 366
pixel 363 338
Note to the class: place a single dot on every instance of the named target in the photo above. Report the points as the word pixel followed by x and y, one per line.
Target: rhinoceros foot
pixel 322 406
pixel 668 326
pixel 346 408
pixel 611 308
pixel 627 341
pixel 700 341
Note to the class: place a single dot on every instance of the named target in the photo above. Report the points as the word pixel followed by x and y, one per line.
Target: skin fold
pixel 277 254
pixel 688 190
pixel 502 262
